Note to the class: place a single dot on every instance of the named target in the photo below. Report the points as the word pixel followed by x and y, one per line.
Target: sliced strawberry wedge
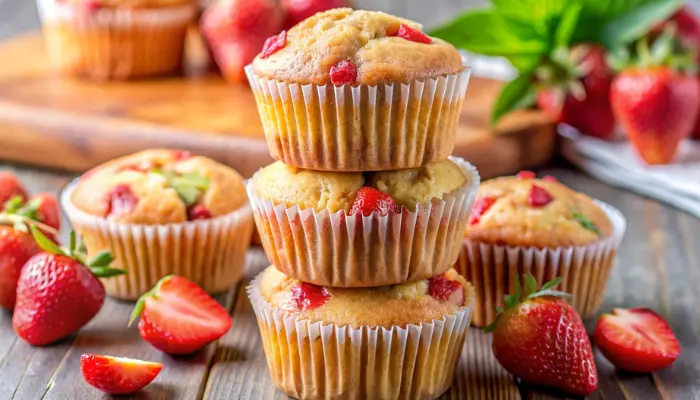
pixel 636 340
pixel 178 317
pixel 115 375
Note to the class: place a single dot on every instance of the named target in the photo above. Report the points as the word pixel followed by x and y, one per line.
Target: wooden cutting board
pixel 64 123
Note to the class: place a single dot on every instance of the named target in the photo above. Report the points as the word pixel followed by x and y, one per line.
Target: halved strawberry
pixel 369 200
pixel 117 375
pixel 178 317
pixel 636 340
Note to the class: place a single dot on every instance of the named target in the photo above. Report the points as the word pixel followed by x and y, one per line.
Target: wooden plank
pixel 89 123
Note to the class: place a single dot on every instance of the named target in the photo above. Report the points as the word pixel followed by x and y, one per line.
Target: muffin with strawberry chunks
pixel 362 230
pixel 352 90
pixel 116 39
pixel 414 333
pixel 163 212
pixel 522 225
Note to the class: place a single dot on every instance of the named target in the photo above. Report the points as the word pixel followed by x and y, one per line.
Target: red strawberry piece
pixel 273 44
pixel 481 205
pixel 539 196
pixel 370 200
pixel 540 338
pixel 307 296
pixel 16 247
pixel 141 166
pixel 343 73
pixel 550 178
pixel 441 288
pixel 117 375
pixel 526 175
pixel 56 293
pixel 121 200
pixel 636 340
pixel 47 209
pixel 299 10
pixel 588 109
pixel 10 187
pixel 657 107
pixel 178 317
pixel 413 35
pixel 196 212
pixel 181 155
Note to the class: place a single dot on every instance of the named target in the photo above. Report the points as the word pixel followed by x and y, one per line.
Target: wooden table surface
pixel 658 268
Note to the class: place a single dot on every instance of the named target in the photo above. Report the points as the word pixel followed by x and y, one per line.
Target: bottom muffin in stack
pixel 400 341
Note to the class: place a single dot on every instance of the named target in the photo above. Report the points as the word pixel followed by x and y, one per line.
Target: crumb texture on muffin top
pixel 159 187
pixel 368 39
pixel 336 191
pixel 404 304
pixel 535 212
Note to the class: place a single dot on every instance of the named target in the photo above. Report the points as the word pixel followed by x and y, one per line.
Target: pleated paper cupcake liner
pixel 356 251
pixel 360 128
pixel 584 269
pixel 210 253
pixel 117 43
pixel 312 360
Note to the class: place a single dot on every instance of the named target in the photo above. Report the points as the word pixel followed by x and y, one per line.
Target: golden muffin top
pixel 404 304
pixel 524 211
pixel 159 187
pixel 97 4
pixel 335 191
pixel 381 48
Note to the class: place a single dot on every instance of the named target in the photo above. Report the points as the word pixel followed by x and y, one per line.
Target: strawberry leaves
pixel 23 215
pixel 531 292
pixel 585 222
pixel 99 265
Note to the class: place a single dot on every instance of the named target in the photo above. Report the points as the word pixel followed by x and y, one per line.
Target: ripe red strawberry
pixel 236 30
pixel 121 200
pixel 369 200
pixel 57 292
pixel 178 317
pixel 117 375
pixel 299 10
pixel 47 210
pixel 540 338
pixel 10 187
pixel 273 44
pixel 16 247
pixel 343 73
pixel 481 205
pixel 526 175
pixel 413 35
pixel 657 106
pixel 539 196
pixel 196 212
pixel 636 340
pixel 308 296
pixel 687 28
pixel 444 289
pixel 582 99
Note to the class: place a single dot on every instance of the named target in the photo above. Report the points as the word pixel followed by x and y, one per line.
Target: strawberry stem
pixel 22 216
pixel 141 303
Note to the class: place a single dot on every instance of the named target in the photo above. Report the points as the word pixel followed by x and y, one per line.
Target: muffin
pixel 163 212
pixel 399 341
pixel 352 90
pixel 116 39
pixel 315 225
pixel 522 225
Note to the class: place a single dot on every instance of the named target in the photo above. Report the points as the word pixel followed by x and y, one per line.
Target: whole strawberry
pixel 657 100
pixel 540 338
pixel 11 187
pixel 576 90
pixel 299 10
pixel 58 292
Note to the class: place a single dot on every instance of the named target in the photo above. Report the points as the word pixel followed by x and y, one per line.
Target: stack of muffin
pixel 364 213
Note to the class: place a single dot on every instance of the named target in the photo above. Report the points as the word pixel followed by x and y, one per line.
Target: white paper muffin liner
pixel 356 251
pixel 363 127
pixel 115 43
pixel 584 269
pixel 312 360
pixel 210 253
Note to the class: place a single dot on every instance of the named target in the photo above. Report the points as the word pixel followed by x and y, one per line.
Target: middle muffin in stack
pixel 363 216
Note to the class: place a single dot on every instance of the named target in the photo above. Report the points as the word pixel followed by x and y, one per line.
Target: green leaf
pixel 636 22
pixel 72 241
pixel 513 96
pixel 567 25
pixel 107 272
pixel 101 260
pixel 554 293
pixel 554 282
pixel 541 15
pixel 198 181
pixel 586 223
pixel 487 32
pixel 13 204
pixel 45 243
pixel 492 326
pixel 188 194
pixel 530 284
pixel 138 309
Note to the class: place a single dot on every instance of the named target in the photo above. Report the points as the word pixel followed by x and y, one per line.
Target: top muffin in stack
pixel 364 208
pixel 358 91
